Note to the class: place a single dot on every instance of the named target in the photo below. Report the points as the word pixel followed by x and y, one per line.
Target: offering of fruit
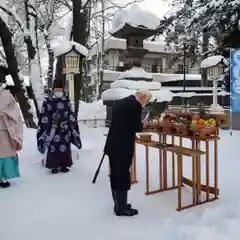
pixel 210 123
pixel 154 122
pixel 201 122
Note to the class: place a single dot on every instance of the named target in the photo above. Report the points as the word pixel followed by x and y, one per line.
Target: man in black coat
pixel 125 123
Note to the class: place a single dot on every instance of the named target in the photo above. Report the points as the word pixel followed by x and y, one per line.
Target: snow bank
pixel 136 85
pixel 65 46
pixel 135 72
pixel 135 17
pixel 211 61
pixel 94 110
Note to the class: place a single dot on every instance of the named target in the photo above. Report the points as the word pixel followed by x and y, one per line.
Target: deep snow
pixel 42 206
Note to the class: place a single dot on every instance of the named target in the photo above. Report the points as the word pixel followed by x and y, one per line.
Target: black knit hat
pixel 58 82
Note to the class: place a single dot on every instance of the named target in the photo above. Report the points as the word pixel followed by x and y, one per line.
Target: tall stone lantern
pixel 134 25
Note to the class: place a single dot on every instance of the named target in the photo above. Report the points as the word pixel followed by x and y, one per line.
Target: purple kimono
pixel 57 129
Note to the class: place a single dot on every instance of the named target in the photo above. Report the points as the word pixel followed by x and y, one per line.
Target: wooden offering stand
pixel 168 143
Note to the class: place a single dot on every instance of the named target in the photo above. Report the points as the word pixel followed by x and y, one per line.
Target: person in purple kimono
pixel 57 129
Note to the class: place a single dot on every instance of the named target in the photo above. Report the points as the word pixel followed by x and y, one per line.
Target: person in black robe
pixel 57 129
pixel 125 123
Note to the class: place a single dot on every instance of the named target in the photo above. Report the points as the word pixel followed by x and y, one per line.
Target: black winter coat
pixel 125 123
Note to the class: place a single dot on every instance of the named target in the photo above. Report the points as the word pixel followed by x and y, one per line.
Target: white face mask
pixel 58 94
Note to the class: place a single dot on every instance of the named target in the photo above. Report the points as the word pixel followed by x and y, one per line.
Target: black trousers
pixel 120 177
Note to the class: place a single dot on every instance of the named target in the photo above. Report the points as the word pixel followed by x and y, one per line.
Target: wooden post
pixel 207 170
pixel 165 170
pixel 147 169
pixel 216 168
pixel 180 170
pixel 160 164
pixel 198 170
pixel 194 174
pixel 133 168
pixel 173 164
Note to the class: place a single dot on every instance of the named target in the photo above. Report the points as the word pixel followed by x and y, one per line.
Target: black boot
pixel 114 200
pixel 122 208
pixel 55 171
pixel 4 184
pixel 64 170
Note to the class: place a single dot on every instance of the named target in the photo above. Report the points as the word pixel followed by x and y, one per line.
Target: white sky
pixel 158 7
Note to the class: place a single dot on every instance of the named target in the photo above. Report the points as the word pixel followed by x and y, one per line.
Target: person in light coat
pixel 11 136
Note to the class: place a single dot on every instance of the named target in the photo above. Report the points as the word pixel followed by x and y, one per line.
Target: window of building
pixel 180 69
pixel 106 63
pixel 154 69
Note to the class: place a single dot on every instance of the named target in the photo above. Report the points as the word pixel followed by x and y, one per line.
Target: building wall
pixel 155 62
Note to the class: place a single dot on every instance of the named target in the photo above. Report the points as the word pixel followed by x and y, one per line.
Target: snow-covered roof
pixel 9 81
pixel 110 76
pixel 169 77
pixel 185 94
pixel 211 61
pixel 135 17
pixel 113 94
pixel 123 88
pixel 120 44
pixel 134 73
pixel 64 46
pixel 137 85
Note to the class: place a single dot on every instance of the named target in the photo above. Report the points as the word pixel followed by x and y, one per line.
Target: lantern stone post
pixel 134 35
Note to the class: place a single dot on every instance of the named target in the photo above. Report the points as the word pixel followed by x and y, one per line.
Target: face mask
pixel 58 94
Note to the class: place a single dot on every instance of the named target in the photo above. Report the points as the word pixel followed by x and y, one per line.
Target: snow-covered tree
pixel 205 26
pixel 9 52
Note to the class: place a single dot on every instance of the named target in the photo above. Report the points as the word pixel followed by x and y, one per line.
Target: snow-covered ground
pixel 42 206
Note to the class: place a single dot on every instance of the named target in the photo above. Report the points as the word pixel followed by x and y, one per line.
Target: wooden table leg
pixel 147 169
pixel 207 170
pixel 194 174
pixel 173 164
pixel 198 170
pixel 216 168
pixel 134 168
pixel 180 176
pixel 165 175
pixel 160 164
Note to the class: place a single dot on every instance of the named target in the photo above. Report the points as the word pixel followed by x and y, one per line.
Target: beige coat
pixel 11 126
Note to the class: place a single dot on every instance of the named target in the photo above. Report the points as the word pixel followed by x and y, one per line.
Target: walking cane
pixel 98 170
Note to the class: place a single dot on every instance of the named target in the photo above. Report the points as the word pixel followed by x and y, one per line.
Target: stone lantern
pixel 134 33
pixel 134 25
pixel 70 55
